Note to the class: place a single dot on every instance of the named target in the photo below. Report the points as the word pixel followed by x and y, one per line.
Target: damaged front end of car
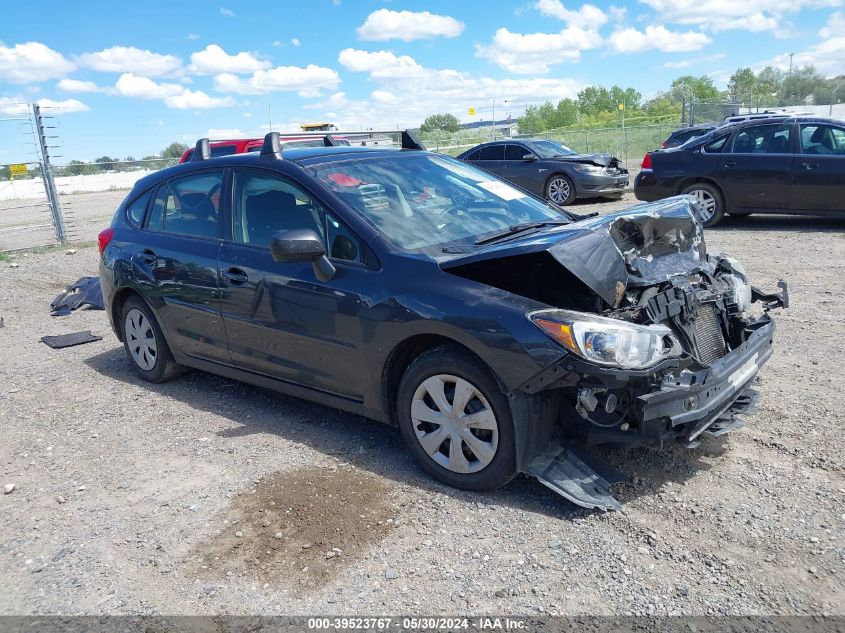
pixel 662 339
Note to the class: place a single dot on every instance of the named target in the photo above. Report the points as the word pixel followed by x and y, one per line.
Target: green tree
pixel 595 99
pixel 803 85
pixel 629 96
pixel 768 82
pixel 78 168
pixel 105 163
pixel 567 112
pixel 742 85
pixel 174 150
pixel 701 88
pixel 447 122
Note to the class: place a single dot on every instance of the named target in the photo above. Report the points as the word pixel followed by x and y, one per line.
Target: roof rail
pixel 202 151
pixel 271 150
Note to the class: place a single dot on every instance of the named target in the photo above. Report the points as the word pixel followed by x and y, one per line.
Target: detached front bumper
pixel 588 185
pixel 698 399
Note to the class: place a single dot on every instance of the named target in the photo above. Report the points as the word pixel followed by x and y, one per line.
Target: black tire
pixel 453 361
pixel 565 181
pixel 707 191
pixel 163 366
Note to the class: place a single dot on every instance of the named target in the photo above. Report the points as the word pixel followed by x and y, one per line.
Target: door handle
pixel 235 276
pixel 809 165
pixel 148 257
pixel 729 163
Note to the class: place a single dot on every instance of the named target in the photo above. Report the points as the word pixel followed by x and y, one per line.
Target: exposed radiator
pixel 708 334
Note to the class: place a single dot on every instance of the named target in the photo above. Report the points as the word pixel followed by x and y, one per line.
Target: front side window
pixel 422 201
pixel 188 206
pixel 714 147
pixel 474 156
pixel 822 139
pixel 342 244
pixel 515 152
pixel 763 139
pixel 265 205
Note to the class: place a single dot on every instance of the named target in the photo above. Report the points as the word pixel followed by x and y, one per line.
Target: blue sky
pixel 127 78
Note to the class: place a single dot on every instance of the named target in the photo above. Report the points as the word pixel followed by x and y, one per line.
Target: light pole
pixel 833 99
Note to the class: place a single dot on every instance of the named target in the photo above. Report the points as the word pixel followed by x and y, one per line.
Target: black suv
pixel 493 328
pixel 780 165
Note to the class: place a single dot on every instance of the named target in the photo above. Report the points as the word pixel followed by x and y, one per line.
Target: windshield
pixel 550 149
pixel 425 201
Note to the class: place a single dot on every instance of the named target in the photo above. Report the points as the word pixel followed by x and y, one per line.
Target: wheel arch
pixel 559 172
pixel 117 304
pixel 404 353
pixel 686 182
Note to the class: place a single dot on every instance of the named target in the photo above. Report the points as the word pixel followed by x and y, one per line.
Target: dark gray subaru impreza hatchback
pixel 501 333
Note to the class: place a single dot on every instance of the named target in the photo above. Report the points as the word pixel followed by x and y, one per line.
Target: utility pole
pixel 270 117
pixel 790 62
pixel 47 176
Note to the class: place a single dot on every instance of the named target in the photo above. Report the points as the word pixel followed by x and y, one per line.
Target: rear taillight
pixel 646 161
pixel 104 238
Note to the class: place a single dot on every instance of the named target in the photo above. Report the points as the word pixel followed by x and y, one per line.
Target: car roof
pixel 295 154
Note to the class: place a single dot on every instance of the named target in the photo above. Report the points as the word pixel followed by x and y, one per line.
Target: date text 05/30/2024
pixel 417 624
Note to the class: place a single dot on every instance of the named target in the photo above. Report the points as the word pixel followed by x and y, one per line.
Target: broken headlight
pixel 607 341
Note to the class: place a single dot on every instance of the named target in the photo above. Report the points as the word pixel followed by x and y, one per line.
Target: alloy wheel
pixel 140 339
pixel 454 423
pixel 706 203
pixel 558 190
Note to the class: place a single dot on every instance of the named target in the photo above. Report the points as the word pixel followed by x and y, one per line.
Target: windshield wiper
pixel 518 228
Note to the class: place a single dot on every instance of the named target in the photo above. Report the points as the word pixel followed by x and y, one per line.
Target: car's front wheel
pixel 145 344
pixel 560 190
pixel 711 205
pixel 456 421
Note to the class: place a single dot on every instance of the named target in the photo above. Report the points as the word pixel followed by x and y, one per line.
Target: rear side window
pixel 136 210
pixel 515 152
pixel 474 156
pixel 763 139
pixel 493 152
pixel 188 206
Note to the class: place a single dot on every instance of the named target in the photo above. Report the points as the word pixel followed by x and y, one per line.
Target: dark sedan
pixel 493 329
pixel 792 165
pixel 550 169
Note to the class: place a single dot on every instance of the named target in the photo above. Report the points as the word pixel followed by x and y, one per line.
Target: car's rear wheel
pixel 711 205
pixel 560 190
pixel 145 344
pixel 456 421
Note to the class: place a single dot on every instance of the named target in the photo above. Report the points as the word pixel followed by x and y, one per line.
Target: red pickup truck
pixel 244 145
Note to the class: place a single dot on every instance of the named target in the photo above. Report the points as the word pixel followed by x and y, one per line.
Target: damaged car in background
pixel 500 333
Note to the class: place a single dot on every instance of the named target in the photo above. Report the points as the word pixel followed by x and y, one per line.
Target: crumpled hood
pixel 596 159
pixel 640 246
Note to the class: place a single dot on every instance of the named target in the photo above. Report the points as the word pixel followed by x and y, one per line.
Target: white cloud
pixel 433 90
pixel 835 25
pixel 227 12
pixel 310 80
pixel 630 40
pixel 384 24
pixel 828 57
pixel 588 16
pixel 31 62
pixel 380 64
pixel 197 100
pixel 213 60
pixel 295 41
pixel 225 133
pixel 13 106
pixel 62 107
pixel 532 53
pixel 77 85
pixel 723 15
pixel 694 61
pixel 129 85
pixel 128 59
pixel 193 37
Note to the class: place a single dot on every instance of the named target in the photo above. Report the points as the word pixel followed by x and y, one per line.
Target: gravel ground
pixel 204 496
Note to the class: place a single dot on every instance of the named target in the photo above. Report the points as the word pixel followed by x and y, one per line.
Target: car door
pixel 490 158
pixel 175 263
pixel 520 171
pixel 756 172
pixel 282 321
pixel 819 168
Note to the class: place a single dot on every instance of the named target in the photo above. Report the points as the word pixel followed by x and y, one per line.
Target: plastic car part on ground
pixel 86 291
pixel 69 340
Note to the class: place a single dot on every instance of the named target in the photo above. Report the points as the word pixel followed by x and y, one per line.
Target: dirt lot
pixel 206 496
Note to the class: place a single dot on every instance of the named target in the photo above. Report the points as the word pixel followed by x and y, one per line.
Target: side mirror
pixel 302 245
pixel 529 157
